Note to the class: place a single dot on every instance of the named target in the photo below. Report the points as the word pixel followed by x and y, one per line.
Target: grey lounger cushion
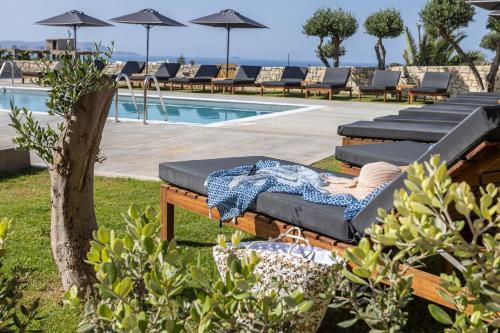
pixel 423 119
pixel 395 131
pixel 292 77
pixel 324 219
pixel 288 83
pixel 399 153
pixel 433 114
pixel 433 82
pixel 333 78
pixel 481 125
pixel 244 75
pixel 133 67
pixel 382 80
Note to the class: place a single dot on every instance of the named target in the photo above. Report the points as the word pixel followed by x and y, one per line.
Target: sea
pixel 234 60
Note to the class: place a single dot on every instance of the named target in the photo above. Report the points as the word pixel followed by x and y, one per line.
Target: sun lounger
pixel 334 80
pixel 474 157
pixel 163 74
pixel 422 119
pixel 130 68
pixel 203 77
pixel 434 84
pixel 291 78
pixel 380 131
pixel 383 83
pixel 245 76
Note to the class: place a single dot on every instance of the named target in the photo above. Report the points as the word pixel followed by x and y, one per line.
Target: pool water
pixel 178 110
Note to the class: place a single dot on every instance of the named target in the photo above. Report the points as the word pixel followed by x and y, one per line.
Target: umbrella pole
pixel 227 53
pixel 148 27
pixel 74 38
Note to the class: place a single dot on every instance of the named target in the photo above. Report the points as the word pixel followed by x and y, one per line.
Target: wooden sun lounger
pixel 479 167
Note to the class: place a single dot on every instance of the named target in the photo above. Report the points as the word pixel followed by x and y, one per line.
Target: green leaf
pixel 440 315
pixel 105 312
pixel 354 278
pixel 117 246
pixel 348 323
pixel 362 272
pixel 103 235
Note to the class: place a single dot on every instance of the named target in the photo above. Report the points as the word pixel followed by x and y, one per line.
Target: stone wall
pixel 462 79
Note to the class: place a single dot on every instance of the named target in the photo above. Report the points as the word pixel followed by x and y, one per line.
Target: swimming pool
pixel 178 110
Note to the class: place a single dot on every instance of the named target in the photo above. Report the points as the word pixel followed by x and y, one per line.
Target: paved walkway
pixel 134 150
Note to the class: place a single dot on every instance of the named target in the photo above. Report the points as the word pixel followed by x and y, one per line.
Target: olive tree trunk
pixel 72 177
pixel 464 57
pixel 380 51
pixel 492 74
pixel 321 54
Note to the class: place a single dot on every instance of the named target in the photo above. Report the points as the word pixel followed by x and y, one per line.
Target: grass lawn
pixel 25 198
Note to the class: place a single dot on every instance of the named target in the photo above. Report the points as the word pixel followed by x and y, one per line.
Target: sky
pixel 284 17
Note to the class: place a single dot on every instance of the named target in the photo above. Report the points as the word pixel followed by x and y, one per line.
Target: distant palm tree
pixel 429 50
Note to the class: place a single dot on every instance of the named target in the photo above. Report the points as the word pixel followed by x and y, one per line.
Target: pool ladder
pixel 12 70
pixel 123 76
pixel 146 88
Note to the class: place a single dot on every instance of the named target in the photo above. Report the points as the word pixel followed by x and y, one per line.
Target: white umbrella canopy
pixel 147 18
pixel 228 19
pixel 73 19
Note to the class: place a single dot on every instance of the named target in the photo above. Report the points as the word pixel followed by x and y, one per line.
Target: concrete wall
pixel 13 160
pixel 462 80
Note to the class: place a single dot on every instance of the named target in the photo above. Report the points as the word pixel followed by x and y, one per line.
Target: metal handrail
pixel 146 88
pixel 12 69
pixel 127 80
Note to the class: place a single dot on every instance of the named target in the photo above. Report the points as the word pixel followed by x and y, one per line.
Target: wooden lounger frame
pixel 434 95
pixel 231 87
pixel 330 91
pixel 189 84
pixel 380 92
pixel 286 90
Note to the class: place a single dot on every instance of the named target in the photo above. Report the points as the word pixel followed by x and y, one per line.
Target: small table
pixel 402 87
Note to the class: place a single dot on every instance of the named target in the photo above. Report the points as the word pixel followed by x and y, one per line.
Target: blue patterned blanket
pixel 232 191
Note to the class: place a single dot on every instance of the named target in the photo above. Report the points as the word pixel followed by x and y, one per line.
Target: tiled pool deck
pixel 134 150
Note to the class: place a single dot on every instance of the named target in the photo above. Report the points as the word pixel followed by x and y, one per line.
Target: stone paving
pixel 134 150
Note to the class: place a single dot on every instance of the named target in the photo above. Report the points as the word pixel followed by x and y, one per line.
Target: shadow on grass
pixel 31 171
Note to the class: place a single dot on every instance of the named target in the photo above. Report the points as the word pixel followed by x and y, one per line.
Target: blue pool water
pixel 178 110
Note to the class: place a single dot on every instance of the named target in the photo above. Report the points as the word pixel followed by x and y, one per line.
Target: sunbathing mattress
pixel 399 153
pixel 387 130
pixel 324 219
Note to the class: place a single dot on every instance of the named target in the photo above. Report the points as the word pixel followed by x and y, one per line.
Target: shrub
pixel 149 285
pixel 14 316
pixel 423 228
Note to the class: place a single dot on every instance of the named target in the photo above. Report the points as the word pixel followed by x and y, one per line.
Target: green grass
pixel 25 198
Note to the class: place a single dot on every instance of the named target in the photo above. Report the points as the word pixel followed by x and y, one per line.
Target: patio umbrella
pixel 495 14
pixel 147 18
pixel 485 4
pixel 228 19
pixel 74 19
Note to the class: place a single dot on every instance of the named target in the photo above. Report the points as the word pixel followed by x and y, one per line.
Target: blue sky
pixel 284 17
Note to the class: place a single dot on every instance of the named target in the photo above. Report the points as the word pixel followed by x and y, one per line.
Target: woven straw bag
pixel 297 266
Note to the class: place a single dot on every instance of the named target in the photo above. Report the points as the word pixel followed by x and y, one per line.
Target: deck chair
pixel 245 76
pixel 163 74
pixel 291 78
pixel 130 68
pixel 203 77
pixel 474 157
pixel 434 84
pixel 383 83
pixel 334 80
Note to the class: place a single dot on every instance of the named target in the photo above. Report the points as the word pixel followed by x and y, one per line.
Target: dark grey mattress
pixel 388 130
pixel 399 153
pixel 423 119
pixel 288 83
pixel 324 219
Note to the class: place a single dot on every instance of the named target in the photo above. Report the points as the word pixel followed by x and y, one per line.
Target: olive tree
pixel 492 42
pixel 80 97
pixel 445 17
pixel 385 23
pixel 335 24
